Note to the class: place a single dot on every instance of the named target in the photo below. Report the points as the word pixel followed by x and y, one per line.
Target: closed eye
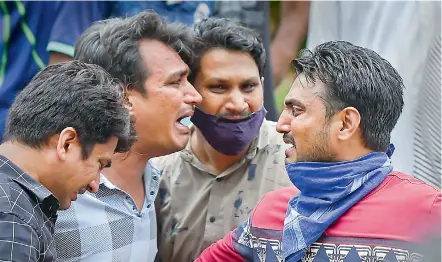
pixel 216 89
pixel 296 111
pixel 249 87
pixel 175 83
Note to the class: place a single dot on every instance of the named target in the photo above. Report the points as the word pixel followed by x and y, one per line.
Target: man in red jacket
pixel 348 203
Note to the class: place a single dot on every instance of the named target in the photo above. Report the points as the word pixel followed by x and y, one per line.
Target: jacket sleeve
pixel 222 250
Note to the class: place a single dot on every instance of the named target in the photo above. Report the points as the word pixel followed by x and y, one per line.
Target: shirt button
pixel 212 219
pixel 152 193
pixel 154 177
pixel 148 206
pixel 219 179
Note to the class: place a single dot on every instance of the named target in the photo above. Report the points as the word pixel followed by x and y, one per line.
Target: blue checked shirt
pixel 107 226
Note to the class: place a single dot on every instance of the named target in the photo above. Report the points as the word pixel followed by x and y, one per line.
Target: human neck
pixel 352 151
pixel 217 162
pixel 31 161
pixel 127 170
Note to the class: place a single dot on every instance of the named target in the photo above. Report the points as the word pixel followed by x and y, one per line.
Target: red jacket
pixel 384 225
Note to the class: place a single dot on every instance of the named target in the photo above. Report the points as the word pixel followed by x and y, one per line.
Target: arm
pixel 18 240
pixel 291 32
pixel 222 250
pixel 71 19
pixel 163 211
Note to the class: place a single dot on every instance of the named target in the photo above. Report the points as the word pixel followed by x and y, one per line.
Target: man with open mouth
pixel 347 204
pixel 149 56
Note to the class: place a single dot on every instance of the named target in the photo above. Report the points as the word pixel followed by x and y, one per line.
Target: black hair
pixel 228 34
pixel 72 94
pixel 357 77
pixel 113 44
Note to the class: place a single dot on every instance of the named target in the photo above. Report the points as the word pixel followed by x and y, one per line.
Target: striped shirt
pixel 107 226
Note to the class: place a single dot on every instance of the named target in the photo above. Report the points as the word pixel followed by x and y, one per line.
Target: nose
pixel 283 126
pixel 236 102
pixel 92 187
pixel 191 96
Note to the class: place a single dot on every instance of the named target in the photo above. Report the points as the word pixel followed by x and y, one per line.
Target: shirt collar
pixel 149 171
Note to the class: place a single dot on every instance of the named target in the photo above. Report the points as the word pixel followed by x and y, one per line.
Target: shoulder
pixel 270 212
pixel 17 204
pixel 15 198
pixel 416 190
pixel 402 193
pixel 400 208
pixel 167 161
pixel 270 139
pixel 415 193
pixel 6 198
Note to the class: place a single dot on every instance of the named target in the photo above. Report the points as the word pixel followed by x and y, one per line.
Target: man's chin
pixel 66 205
pixel 176 144
pixel 181 140
pixel 289 161
pixel 180 144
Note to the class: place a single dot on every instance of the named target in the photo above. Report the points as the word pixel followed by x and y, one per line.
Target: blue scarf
pixel 327 190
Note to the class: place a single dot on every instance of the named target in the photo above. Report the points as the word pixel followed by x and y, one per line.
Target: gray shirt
pixel 198 207
pixel 107 226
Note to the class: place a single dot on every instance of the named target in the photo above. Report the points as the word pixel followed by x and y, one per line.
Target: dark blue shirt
pixel 29 31
pixel 187 12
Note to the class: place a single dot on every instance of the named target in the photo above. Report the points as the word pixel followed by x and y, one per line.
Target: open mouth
pixel 289 151
pixel 290 140
pixel 184 121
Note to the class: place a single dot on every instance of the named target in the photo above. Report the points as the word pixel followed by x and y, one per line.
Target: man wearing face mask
pixel 234 155
pixel 348 203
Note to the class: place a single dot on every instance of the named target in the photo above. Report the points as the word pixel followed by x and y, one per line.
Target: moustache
pixel 242 114
pixel 288 138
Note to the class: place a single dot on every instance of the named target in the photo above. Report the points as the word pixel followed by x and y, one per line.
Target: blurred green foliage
pixel 284 86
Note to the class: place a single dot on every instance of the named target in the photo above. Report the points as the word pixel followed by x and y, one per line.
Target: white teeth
pixel 185 121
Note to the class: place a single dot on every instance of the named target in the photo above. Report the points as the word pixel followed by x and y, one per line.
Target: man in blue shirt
pixel 30 30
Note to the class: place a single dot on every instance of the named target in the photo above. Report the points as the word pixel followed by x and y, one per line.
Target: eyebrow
pixel 220 80
pixel 293 102
pixel 178 74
